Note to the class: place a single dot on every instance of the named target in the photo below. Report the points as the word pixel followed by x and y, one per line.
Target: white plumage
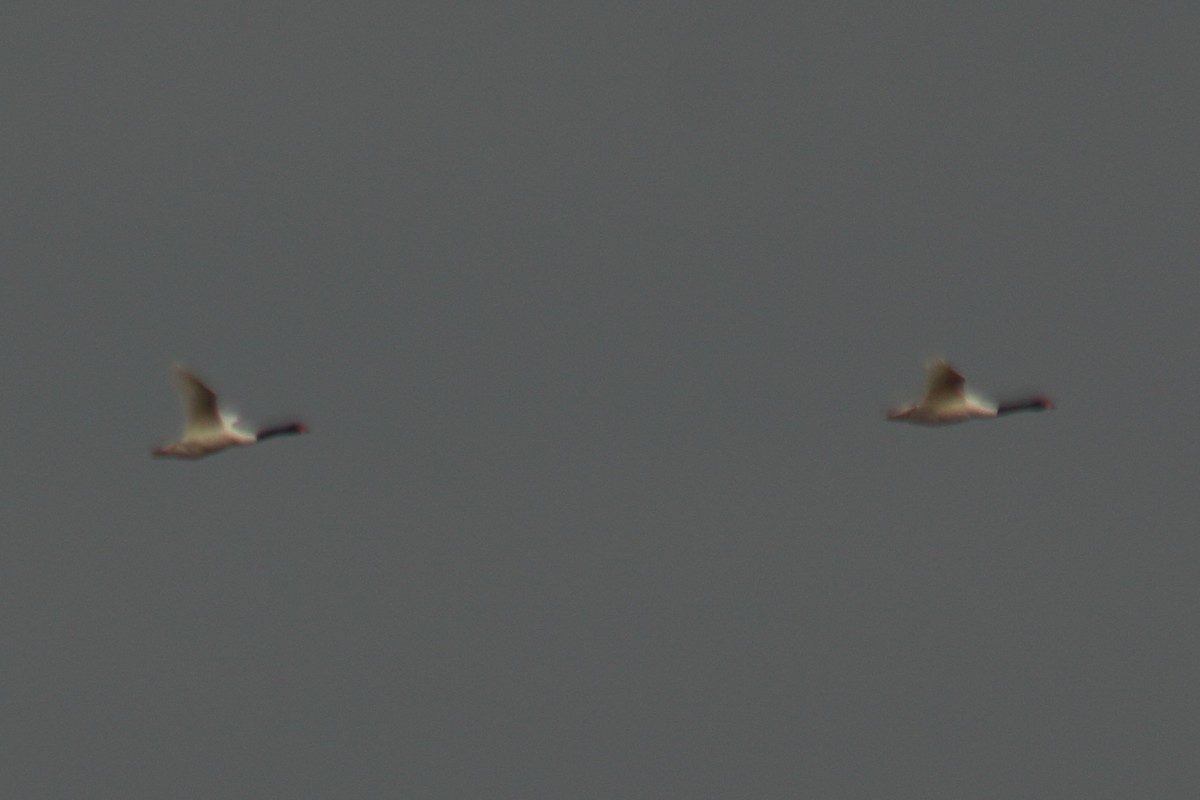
pixel 946 400
pixel 206 430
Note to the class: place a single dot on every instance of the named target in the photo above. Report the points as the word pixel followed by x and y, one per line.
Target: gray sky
pixel 594 315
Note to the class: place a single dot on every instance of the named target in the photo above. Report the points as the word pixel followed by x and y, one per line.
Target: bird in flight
pixel 206 430
pixel 947 401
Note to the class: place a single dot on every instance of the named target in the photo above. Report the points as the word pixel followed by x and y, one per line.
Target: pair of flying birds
pixel 206 430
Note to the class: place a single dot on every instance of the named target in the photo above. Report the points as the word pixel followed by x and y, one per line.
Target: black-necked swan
pixel 946 401
pixel 205 429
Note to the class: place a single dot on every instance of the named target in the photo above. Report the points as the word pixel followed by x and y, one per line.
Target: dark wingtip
pixel 280 430
pixel 1038 403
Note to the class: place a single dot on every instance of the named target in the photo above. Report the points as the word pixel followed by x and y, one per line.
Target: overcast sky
pixel 594 313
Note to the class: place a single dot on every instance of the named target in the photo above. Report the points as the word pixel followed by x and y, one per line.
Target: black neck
pixel 1031 404
pixel 279 430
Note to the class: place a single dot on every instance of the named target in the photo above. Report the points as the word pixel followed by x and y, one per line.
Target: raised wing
pixel 199 402
pixel 943 382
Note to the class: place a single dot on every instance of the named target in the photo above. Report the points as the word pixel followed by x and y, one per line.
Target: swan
pixel 946 401
pixel 206 430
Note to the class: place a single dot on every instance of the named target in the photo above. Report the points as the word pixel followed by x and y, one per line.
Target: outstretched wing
pixel 199 402
pixel 943 382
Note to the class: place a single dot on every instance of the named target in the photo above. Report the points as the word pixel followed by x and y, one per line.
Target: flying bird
pixel 947 401
pixel 206 430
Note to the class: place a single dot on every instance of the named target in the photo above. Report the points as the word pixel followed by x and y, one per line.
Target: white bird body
pixel 946 401
pixel 206 430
